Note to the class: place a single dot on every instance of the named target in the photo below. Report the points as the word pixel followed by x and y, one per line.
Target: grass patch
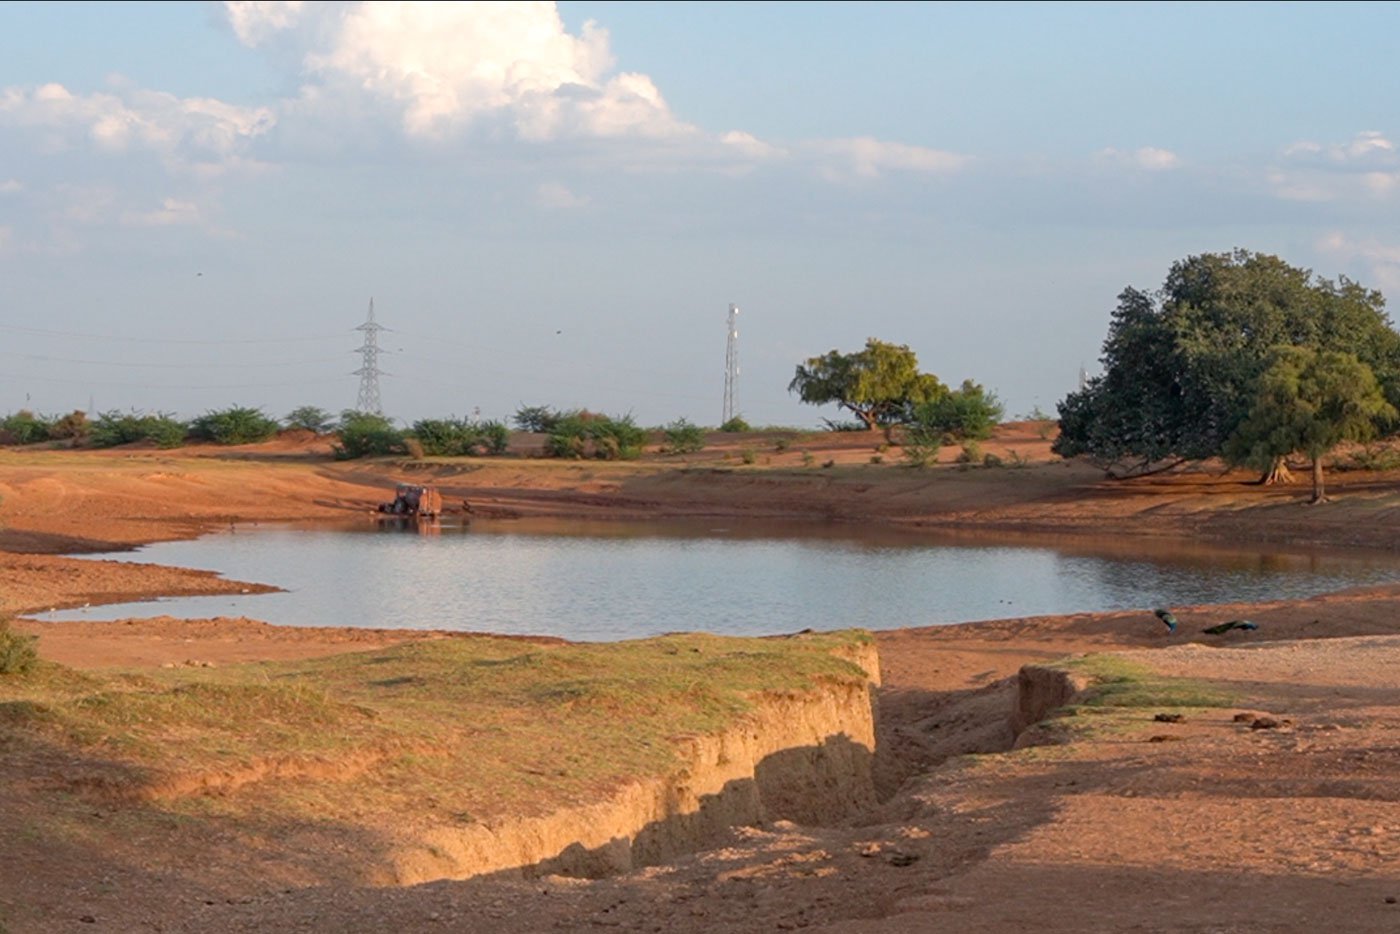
pixel 477 726
pixel 1119 682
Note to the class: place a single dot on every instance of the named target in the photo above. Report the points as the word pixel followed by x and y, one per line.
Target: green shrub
pixel 966 413
pixel 1374 457
pixel 971 453
pixel 74 426
pixel 366 434
pixel 683 438
pixel 310 418
pixel 833 425
pixel 443 437
pixel 781 444
pixel 113 428
pixel 735 425
pixel 17 652
pixel 495 437
pixel 991 460
pixel 921 445
pixel 807 459
pixel 748 455
pixel 456 437
pixel 24 427
pixel 584 434
pixel 235 425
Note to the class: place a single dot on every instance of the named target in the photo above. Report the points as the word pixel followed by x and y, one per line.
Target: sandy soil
pixel 1204 825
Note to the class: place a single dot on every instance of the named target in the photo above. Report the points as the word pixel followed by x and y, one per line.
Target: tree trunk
pixel 1277 473
pixel 1319 493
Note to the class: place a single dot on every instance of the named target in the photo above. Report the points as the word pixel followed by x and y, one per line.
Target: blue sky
pixel 555 205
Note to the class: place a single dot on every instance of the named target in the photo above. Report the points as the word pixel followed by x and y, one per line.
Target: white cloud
pixel 11 186
pixel 866 157
pixel 1148 158
pixel 7 238
pixel 443 68
pixel 170 213
pixel 1382 258
pixel 253 21
pixel 555 196
pixel 200 134
pixel 1365 168
pixel 1366 145
pixel 750 146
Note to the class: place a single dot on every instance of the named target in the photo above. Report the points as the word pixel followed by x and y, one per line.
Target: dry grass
pixel 458 728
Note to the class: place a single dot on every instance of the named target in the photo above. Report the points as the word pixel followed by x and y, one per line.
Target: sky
pixel 555 204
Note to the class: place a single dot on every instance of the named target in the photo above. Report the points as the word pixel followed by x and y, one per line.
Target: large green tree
pixel 1181 366
pixel 1308 402
pixel 880 385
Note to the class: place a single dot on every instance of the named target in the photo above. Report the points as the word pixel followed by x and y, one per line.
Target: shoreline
pixel 974 826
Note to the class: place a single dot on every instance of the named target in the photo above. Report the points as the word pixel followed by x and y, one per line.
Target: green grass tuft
pixel 1120 682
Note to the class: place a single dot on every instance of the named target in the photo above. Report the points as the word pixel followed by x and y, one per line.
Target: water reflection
pixel 603 581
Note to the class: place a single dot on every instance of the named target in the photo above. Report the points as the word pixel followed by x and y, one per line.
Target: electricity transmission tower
pixel 369 371
pixel 731 364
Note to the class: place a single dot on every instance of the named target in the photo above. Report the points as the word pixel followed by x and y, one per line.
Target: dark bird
pixel 1167 618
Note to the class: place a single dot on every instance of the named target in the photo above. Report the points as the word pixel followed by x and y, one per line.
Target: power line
pixel 87 335
pixel 166 366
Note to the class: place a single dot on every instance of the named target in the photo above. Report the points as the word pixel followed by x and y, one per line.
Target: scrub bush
pixel 683 438
pixel 236 425
pixel 366 434
pixel 113 428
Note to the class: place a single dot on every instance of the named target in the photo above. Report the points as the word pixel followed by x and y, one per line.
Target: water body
pixel 598 581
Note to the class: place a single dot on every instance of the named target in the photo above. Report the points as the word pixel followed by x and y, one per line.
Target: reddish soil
pixel 1203 825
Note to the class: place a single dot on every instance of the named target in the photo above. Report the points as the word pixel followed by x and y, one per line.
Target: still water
pixel 606 581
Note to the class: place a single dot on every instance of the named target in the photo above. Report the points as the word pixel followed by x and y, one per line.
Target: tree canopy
pixel 1182 366
pixel 880 384
pixel 1307 402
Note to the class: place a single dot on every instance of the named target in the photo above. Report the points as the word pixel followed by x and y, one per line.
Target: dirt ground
pixel 1204 825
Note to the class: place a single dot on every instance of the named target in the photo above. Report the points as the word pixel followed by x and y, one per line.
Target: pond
pixel 598 581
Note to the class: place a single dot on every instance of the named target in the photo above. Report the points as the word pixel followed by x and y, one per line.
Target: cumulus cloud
pixel 867 158
pixel 1365 168
pixel 11 186
pixel 444 68
pixel 1148 158
pixel 254 21
pixel 200 134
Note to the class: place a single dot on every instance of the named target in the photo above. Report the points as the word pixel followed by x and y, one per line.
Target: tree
pixel 1308 401
pixel 1181 367
pixel 310 418
pixel 879 385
